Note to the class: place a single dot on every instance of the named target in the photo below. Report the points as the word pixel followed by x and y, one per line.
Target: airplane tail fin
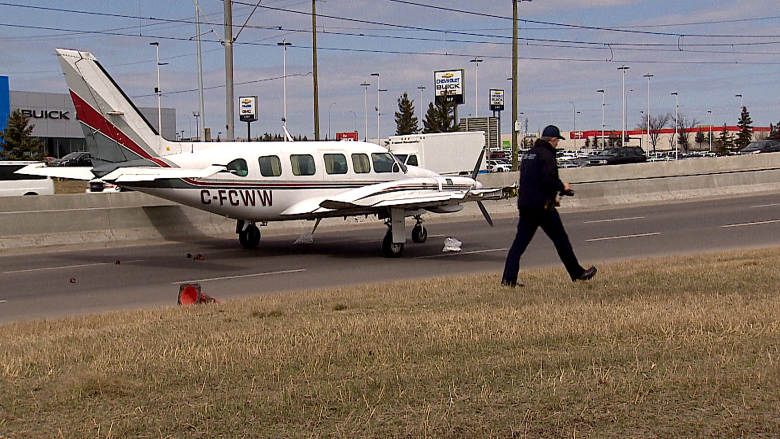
pixel 115 131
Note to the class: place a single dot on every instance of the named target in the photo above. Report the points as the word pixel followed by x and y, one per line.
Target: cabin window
pixel 302 164
pixel 238 167
pixel 360 164
pixel 335 163
pixel 270 166
pixel 412 160
pixel 384 162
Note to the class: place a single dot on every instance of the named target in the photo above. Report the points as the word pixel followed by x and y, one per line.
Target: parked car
pixel 76 158
pixel 498 166
pixel 13 184
pixel 761 146
pixel 617 156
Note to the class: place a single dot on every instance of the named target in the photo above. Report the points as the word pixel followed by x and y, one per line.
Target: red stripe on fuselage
pixel 91 117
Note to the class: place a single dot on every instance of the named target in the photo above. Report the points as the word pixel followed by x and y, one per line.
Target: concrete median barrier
pixel 36 221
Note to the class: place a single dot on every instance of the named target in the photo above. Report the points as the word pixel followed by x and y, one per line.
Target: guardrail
pixel 69 219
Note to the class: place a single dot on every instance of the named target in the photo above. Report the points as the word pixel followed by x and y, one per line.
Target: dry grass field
pixel 680 347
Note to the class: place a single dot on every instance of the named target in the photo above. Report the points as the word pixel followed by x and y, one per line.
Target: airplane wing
pixel 410 194
pixel 71 172
pixel 139 174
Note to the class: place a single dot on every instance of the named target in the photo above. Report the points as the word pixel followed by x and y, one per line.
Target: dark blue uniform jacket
pixel 539 181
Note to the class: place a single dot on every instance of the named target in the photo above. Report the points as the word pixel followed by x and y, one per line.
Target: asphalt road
pixel 79 281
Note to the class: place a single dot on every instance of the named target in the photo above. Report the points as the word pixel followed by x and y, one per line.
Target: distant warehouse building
pixel 54 117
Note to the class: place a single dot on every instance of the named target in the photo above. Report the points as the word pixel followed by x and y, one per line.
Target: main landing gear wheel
pixel 250 237
pixel 419 234
pixel 389 249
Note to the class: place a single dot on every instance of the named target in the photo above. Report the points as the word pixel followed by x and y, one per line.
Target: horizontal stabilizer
pixel 71 172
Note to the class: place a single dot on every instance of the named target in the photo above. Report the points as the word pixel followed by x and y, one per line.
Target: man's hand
pixel 567 190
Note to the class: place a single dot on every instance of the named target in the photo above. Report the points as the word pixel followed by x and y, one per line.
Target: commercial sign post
pixel 497 106
pixel 247 112
pixel 449 88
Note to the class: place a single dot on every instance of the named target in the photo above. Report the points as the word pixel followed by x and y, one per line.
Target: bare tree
pixel 657 123
pixel 685 126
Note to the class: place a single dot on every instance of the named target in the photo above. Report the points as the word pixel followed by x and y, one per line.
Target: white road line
pixel 31 270
pixel 757 223
pixel 640 235
pixel 240 276
pixel 765 205
pixel 613 220
pixel 464 253
pixel 3 301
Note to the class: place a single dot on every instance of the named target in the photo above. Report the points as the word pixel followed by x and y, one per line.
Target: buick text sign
pixel 449 85
pixel 496 100
pixel 247 108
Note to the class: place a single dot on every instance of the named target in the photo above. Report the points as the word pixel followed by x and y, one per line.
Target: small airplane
pixel 254 182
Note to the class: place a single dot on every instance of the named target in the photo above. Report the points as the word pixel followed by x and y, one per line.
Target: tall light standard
pixel 602 117
pixel 676 141
pixel 476 62
pixel 365 108
pixel 623 126
pixel 709 112
pixel 329 107
pixel 157 90
pixel 354 114
pixel 575 124
pixel 648 76
pixel 421 88
pixel 378 112
pixel 741 105
pixel 196 115
pixel 284 45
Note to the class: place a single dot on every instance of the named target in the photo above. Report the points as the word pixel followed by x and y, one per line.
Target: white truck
pixel 445 153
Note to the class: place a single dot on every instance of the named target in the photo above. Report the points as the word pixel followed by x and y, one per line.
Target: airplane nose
pixel 477 185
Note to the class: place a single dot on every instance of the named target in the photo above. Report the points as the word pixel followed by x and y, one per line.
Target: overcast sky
pixel 708 51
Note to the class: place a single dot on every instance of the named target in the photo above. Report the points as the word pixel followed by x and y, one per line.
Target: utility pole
pixel 229 94
pixel 514 85
pixel 648 76
pixel 365 108
pixel 314 70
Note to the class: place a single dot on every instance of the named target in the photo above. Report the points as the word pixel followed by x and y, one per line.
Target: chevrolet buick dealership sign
pixel 496 99
pixel 247 108
pixel 449 85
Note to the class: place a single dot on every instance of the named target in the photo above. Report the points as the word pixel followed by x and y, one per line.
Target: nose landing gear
pixel 248 234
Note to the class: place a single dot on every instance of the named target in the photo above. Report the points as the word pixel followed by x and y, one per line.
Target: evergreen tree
pixel 724 141
pixel 16 140
pixel 699 137
pixel 405 121
pixel 440 118
pixel 745 134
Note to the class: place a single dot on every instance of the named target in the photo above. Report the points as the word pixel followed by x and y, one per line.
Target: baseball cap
pixel 552 131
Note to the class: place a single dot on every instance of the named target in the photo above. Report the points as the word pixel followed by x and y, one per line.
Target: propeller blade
pixel 479 162
pixel 485 212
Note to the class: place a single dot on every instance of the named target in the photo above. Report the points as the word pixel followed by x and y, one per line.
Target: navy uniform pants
pixel 550 222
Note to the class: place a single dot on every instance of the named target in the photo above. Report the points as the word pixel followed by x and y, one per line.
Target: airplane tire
pixel 389 249
pixel 250 237
pixel 419 234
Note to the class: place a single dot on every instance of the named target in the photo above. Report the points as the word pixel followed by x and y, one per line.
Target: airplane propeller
pixel 479 202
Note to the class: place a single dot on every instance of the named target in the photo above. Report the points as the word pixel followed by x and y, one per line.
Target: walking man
pixel 537 200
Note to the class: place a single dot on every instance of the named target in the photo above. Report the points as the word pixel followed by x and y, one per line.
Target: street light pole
pixel 157 90
pixel 421 88
pixel 575 124
pixel 284 45
pixel 365 108
pixel 648 76
pixel 476 62
pixel 378 112
pixel 741 105
pixel 602 117
pixel 709 112
pixel 329 107
pixel 623 126
pixel 676 140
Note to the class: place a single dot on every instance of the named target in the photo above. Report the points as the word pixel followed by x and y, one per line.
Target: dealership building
pixel 54 118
